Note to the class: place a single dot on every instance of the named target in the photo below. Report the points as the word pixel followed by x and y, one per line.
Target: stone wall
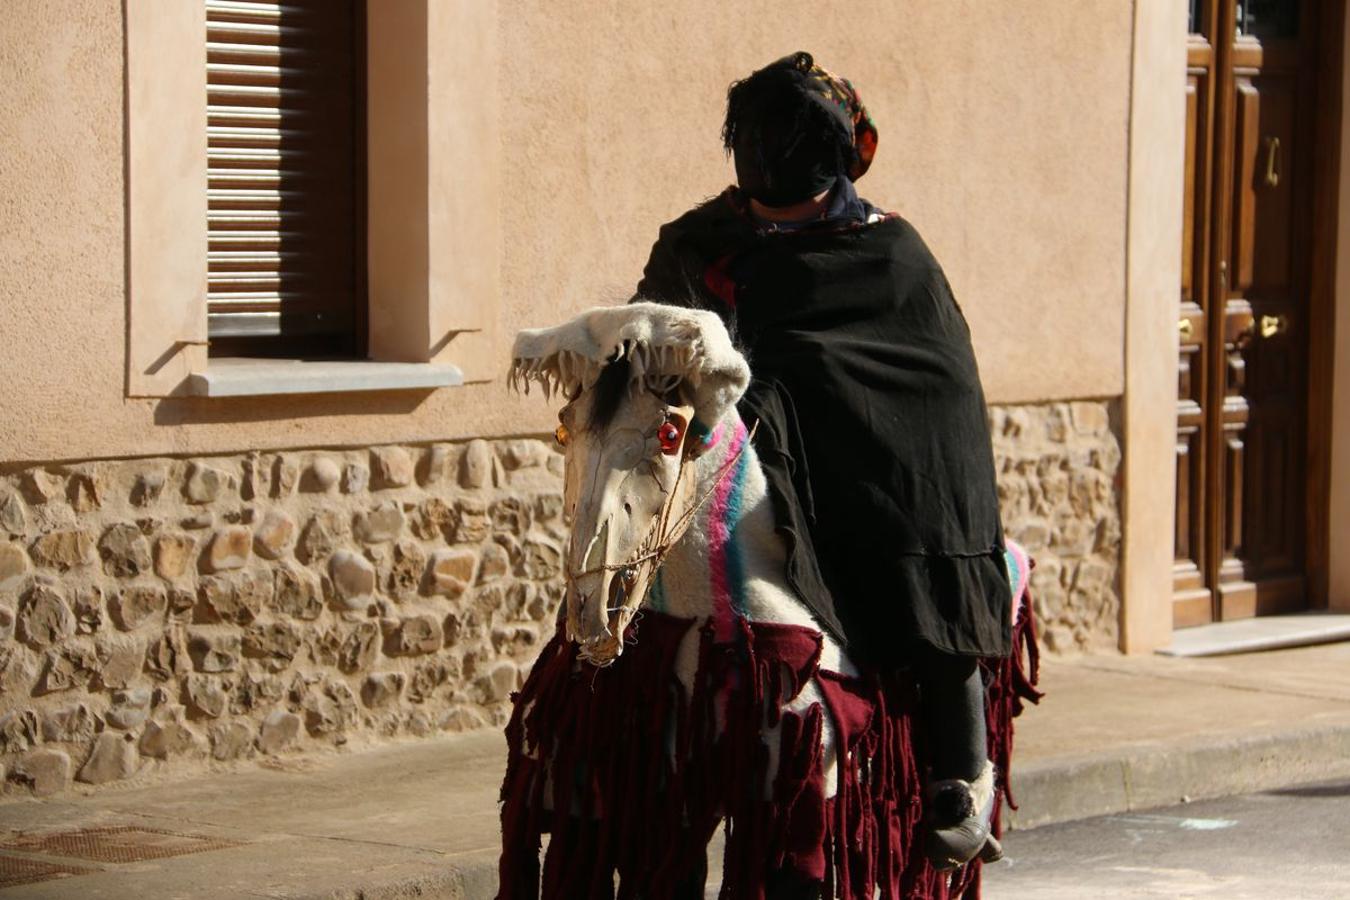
pixel 1058 466
pixel 159 611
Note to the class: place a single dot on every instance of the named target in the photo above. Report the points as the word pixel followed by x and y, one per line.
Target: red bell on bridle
pixel 669 435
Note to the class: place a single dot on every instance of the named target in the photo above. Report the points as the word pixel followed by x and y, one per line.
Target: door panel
pixel 1242 378
pixel 1262 200
pixel 1193 598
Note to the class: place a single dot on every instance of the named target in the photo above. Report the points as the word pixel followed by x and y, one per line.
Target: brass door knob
pixel 1273 325
pixel 1185 329
pixel 1272 162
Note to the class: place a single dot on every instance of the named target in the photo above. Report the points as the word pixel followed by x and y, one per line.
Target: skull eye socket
pixel 669 434
pixel 561 435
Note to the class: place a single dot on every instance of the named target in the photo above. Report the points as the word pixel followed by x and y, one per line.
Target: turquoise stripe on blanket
pixel 1018 565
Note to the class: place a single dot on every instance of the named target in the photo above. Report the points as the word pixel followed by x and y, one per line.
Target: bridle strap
pixel 667 535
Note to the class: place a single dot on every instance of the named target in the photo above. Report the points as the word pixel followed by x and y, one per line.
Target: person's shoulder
pixel 715 210
pixel 905 243
pixel 889 223
pixel 684 247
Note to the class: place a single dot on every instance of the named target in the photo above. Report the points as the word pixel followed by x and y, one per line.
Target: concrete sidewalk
pixel 420 819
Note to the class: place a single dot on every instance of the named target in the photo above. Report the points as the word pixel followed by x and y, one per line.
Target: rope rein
pixel 667 538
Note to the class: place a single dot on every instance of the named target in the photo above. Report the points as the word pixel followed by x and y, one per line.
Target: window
pixel 285 142
pixel 296 168
pixel 1268 18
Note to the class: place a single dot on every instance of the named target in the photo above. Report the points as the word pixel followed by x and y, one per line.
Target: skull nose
pixel 591 586
pixel 594 612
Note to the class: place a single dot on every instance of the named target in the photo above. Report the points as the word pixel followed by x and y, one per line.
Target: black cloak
pixel 873 430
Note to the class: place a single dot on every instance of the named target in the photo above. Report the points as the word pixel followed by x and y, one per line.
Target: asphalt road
pixel 1291 844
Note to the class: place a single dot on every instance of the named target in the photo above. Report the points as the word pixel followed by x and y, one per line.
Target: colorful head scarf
pixel 841 93
pixel 804 106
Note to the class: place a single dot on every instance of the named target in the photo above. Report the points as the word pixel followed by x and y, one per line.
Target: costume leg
pixel 576 866
pixel 524 869
pixel 786 884
pixel 961 793
pixel 953 709
pixel 694 883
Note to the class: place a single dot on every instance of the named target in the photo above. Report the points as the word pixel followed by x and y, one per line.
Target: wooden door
pixel 1242 476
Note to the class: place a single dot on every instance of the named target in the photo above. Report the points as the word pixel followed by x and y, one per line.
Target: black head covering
pixel 794 130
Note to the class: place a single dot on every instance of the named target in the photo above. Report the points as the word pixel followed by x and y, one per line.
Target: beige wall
pixel 434 189
pixel 1157 154
pixel 1339 526
pixel 1004 138
pixel 62 319
pixel 166 209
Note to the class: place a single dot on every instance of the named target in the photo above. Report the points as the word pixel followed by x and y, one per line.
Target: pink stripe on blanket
pixel 724 624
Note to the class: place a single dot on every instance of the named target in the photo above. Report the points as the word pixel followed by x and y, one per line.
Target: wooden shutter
pixel 286 185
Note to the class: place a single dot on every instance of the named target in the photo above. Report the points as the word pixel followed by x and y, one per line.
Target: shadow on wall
pixel 223 410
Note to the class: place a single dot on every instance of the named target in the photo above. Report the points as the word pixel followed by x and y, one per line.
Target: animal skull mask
pixel 638 378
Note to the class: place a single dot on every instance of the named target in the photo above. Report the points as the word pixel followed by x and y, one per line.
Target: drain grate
pixel 116 843
pixel 15 871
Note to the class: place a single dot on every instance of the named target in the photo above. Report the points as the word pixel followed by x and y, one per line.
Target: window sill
pixel 243 377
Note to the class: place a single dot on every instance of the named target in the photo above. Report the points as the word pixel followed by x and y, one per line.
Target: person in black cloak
pixel 873 428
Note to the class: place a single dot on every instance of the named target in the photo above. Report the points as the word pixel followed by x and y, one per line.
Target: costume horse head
pixel 647 387
pixel 732 704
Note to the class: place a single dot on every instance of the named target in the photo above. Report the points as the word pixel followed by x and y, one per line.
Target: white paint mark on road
pixel 1207 824
pixel 1146 824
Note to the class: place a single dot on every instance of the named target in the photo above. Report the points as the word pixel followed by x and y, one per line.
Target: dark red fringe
pixel 640 778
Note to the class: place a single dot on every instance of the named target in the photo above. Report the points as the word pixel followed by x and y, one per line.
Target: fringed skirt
pixel 631 777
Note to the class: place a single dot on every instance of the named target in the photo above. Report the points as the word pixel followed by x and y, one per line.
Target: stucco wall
pixel 1003 138
pixel 1157 163
pixel 61 231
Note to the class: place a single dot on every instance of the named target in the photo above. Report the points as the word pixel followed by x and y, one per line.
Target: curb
pixel 471 877
pixel 1048 791
pixel 1063 789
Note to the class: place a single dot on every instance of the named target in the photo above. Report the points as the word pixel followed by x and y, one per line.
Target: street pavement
pixel 1288 844
pixel 1114 736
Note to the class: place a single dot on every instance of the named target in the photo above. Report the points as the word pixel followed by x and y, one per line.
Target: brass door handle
pixel 1273 325
pixel 1185 329
pixel 1272 162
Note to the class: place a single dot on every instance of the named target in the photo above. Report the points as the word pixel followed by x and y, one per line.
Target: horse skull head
pixel 628 489
pixel 638 378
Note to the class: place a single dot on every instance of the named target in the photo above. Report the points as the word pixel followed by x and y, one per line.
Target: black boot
pixel 961 792
pixel 959 817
